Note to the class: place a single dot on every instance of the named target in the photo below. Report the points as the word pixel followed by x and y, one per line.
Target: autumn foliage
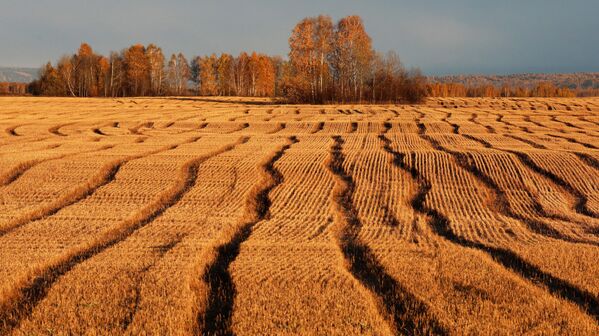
pixel 327 63
pixel 336 63
pixel 11 88
pixel 541 89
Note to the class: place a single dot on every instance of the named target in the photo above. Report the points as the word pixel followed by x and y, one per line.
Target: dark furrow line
pixel 563 131
pixel 135 129
pixel 589 160
pixel 56 129
pixel 484 143
pixel 567 124
pixel 99 132
pixel 240 128
pixel 536 123
pixel 354 127
pixel 474 119
pixel 539 210
pixel 581 200
pixel 456 127
pixel 406 313
pixel 13 174
pixel 441 226
pixel 572 140
pixel 500 203
pixel 162 250
pixel 319 127
pixel 12 130
pixel 15 310
pixel 585 119
pixel 280 127
pixel 526 141
pixel 507 123
pixel 79 193
pixel 217 318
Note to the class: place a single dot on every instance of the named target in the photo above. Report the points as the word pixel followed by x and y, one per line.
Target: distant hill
pixel 581 80
pixel 19 75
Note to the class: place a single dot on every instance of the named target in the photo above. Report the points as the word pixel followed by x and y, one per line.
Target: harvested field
pixel 192 216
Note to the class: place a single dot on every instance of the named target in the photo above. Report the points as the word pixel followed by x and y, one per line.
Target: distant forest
pixel 327 63
pixel 582 84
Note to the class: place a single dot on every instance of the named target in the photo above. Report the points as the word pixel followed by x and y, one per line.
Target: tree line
pixel 327 62
pixel 336 62
pixel 541 89
pixel 12 88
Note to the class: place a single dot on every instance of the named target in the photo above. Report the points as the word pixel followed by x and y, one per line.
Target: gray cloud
pixel 439 36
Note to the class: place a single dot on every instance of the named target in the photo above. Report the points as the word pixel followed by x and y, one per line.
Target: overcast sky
pixel 439 36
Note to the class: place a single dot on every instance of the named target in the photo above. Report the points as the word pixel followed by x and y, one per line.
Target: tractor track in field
pixel 505 258
pixel 581 200
pixel 22 304
pixel 395 303
pixel 500 203
pixel 18 170
pixel 104 176
pixel 217 317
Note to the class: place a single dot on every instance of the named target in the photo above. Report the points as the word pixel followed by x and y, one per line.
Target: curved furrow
pixel 217 318
pixel 500 203
pixel 278 128
pixel 572 140
pixel 17 308
pixel 581 200
pixel 56 129
pixel 400 307
pixel 98 131
pixel 240 128
pixel 455 127
pixel 22 140
pixel 585 119
pixel 395 112
pixel 589 160
pixel 136 129
pixel 526 141
pixel 474 120
pixel 104 176
pixel 17 171
pixel 580 206
pixel 569 124
pixel 319 127
pixel 509 124
pixel 536 123
pixel 506 258
pixel 12 130
pixel 137 298
pixel 387 215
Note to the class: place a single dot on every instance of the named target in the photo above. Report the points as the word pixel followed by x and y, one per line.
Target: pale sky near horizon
pixel 439 36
